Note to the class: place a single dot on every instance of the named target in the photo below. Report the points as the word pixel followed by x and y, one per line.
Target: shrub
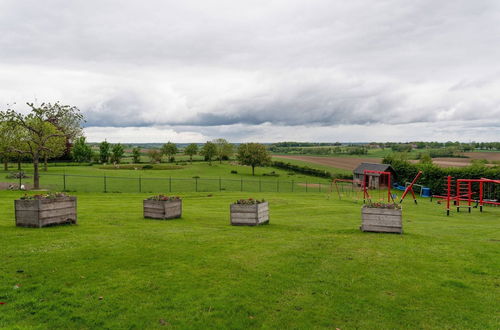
pixel 234 172
pixel 147 167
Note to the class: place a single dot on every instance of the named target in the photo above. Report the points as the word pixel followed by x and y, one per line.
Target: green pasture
pixel 196 176
pixel 310 267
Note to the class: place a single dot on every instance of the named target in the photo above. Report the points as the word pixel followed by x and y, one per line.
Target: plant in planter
pixel 249 212
pixel 162 207
pixel 382 218
pixel 45 209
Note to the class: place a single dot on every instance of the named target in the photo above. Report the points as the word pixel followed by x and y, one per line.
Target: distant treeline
pixel 320 150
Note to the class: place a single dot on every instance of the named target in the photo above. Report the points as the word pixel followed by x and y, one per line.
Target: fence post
pixel 241 184
pixel 196 184
pixel 220 184
pixel 64 181
pixel 170 184
pixel 140 185
pixel 21 173
pixel 105 185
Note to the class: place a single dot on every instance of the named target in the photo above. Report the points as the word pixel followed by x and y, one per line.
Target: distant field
pixel 295 161
pixel 342 163
pixel 198 176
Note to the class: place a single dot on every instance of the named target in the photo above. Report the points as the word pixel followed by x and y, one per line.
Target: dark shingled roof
pixel 373 167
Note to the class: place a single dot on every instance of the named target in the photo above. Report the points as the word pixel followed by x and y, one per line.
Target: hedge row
pixel 309 171
pixel 434 177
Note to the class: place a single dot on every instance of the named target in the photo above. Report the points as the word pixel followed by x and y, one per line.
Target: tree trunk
pixel 45 166
pixel 6 165
pixel 36 175
pixel 191 158
pixel 253 170
pixel 19 163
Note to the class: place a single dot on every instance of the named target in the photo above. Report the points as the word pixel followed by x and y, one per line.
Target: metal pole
pixel 140 188
pixel 170 184
pixel 64 181
pixel 105 185
pixel 241 184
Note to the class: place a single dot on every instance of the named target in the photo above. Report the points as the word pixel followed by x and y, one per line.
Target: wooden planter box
pixel 154 209
pixel 249 215
pixel 382 220
pixel 45 212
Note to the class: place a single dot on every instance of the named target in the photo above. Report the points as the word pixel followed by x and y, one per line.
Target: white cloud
pixel 234 67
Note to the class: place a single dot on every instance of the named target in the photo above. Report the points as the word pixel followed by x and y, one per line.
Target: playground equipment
pixel 469 191
pixel 409 188
pixel 366 182
pixel 347 188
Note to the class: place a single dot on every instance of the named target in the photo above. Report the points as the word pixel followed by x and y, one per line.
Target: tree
pixel 253 154
pixel 38 132
pixel 117 153
pixel 81 152
pixel 56 148
pixel 154 155
pixel 191 150
pixel 104 151
pixel 136 155
pixel 224 149
pixel 209 150
pixel 9 138
pixel 169 149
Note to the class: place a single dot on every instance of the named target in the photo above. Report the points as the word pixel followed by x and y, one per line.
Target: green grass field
pixel 91 178
pixel 310 268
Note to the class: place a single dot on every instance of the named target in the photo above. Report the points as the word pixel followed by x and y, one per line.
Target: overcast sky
pixel 190 71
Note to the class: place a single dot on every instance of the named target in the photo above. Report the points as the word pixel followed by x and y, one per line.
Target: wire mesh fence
pixel 87 183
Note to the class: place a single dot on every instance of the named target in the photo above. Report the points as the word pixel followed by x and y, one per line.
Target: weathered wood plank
pixel 44 212
pixel 382 229
pixel 162 209
pixel 250 215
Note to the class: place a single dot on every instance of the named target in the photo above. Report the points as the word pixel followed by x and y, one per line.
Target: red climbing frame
pixel 410 188
pixel 365 185
pixel 464 193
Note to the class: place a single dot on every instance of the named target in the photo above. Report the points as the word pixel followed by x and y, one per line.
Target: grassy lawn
pixel 91 178
pixel 310 268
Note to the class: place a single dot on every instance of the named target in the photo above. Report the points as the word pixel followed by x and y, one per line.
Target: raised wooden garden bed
pixel 162 209
pixel 381 220
pixel 250 215
pixel 45 211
